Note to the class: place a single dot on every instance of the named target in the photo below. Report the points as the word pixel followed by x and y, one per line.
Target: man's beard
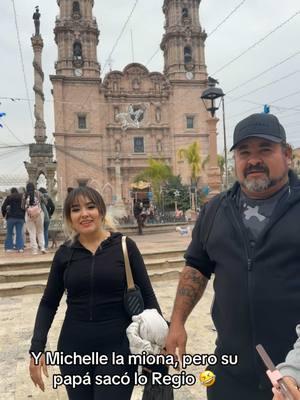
pixel 260 184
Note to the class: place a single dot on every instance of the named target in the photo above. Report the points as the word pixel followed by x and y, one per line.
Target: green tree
pixel 192 155
pixel 183 200
pixel 221 164
pixel 157 173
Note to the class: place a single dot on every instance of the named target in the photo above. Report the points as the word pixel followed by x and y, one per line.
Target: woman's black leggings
pixel 84 337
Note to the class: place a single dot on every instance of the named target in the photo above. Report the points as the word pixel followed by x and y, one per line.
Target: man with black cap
pixel 249 238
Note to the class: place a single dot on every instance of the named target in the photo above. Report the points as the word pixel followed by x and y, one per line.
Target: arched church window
pixel 82 182
pixel 77 50
pixel 187 52
pixel 184 12
pixel 76 7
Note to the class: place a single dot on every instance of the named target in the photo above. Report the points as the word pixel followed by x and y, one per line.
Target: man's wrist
pixel 177 322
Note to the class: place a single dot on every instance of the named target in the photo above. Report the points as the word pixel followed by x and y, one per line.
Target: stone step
pixel 28 275
pixel 164 263
pixel 38 274
pixel 38 286
pixel 20 288
pixel 26 261
pixel 167 253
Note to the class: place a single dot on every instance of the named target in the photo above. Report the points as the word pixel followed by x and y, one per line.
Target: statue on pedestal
pixel 36 18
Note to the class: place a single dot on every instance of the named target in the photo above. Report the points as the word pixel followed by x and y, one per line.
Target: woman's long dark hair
pixel 30 189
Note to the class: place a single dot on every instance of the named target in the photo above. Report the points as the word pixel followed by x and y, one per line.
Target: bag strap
pixel 129 278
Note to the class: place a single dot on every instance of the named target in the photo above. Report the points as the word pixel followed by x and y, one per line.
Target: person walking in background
pixel 21 191
pixel 48 208
pixel 14 214
pixel 138 211
pixel 34 218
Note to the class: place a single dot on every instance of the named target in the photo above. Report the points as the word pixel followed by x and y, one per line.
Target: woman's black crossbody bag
pixel 133 299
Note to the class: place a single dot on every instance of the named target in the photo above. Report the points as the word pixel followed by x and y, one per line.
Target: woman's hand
pixel 36 372
pixel 290 383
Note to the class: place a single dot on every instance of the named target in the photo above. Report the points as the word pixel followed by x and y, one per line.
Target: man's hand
pixel 290 383
pixel 190 289
pixel 36 372
pixel 176 339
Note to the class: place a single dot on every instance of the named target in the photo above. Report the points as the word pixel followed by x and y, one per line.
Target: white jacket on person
pixel 147 332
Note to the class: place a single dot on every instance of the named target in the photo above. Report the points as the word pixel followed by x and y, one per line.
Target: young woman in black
pixel 90 268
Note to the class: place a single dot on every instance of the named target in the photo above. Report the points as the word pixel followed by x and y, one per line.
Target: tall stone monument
pixel 40 152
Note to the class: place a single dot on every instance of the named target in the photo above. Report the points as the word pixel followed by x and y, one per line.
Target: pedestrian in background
pixel 48 208
pixel 22 190
pixel 138 215
pixel 14 214
pixel 34 218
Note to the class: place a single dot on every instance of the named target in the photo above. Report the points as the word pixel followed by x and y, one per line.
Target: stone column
pixel 51 183
pixel 118 210
pixel 118 180
pixel 40 152
pixel 40 126
pixel 214 179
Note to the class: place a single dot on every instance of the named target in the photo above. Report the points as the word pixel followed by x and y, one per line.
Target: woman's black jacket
pixel 94 284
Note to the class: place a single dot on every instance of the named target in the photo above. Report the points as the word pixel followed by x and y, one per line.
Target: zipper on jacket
pixel 92 288
pixel 249 263
pixel 250 259
pixel 243 235
pixel 92 283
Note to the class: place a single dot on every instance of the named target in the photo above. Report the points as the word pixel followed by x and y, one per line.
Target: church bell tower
pixel 77 36
pixel 183 41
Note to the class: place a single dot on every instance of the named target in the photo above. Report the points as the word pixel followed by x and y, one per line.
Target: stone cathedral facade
pixel 108 126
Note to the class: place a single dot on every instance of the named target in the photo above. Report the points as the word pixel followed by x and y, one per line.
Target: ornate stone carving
pixel 135 84
pixel 132 117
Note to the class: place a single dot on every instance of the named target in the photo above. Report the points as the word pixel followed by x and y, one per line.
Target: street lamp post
pixel 225 145
pixel 209 97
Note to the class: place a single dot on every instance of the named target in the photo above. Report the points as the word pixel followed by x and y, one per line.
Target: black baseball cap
pixel 262 125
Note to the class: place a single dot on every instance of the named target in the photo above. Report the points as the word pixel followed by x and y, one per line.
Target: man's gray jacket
pixel 257 284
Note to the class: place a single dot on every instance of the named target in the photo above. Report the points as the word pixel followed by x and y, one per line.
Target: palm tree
pixel 192 155
pixel 157 173
pixel 221 164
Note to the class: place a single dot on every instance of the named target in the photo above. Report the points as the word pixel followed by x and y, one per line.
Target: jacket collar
pixel 113 236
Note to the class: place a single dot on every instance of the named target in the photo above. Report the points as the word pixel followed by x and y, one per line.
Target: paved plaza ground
pixel 17 316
